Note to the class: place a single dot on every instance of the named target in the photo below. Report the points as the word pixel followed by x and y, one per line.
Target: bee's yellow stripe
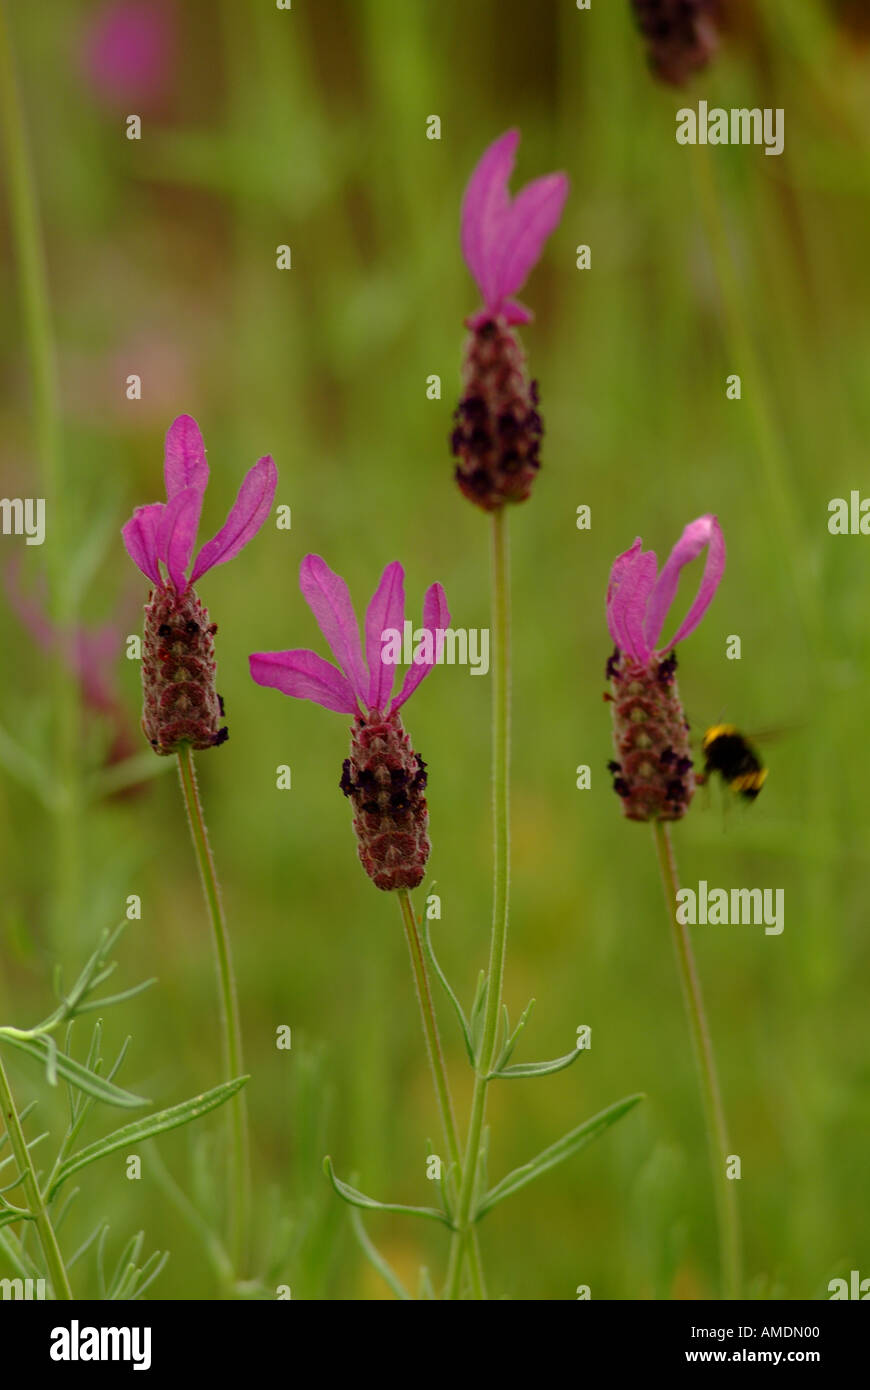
pixel 749 781
pixel 717 731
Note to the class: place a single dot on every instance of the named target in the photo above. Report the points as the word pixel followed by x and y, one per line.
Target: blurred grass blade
pixel 359 1199
pixel 563 1148
pixel 74 1073
pixel 146 1128
pixel 376 1259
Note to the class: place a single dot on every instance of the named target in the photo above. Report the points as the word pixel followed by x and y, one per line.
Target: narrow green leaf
pixel 51 1061
pixel 110 999
pixel 146 1128
pixel 151 1270
pixel 74 1073
pixel 8 1216
pixel 376 1259
pixel 475 1018
pixel 448 990
pixel 511 1039
pixel 359 1199
pixel 537 1068
pixel 563 1148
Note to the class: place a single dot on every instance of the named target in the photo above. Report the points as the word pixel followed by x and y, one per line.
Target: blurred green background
pixel 308 128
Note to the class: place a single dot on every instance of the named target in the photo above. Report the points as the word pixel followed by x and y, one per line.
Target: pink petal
pixel 328 597
pixel 178 532
pixel 705 531
pixel 140 538
pixel 184 459
pixel 386 610
pixel 435 615
pixel 512 309
pixel 632 578
pixel 246 516
pixel 533 215
pixel 484 205
pixel 306 676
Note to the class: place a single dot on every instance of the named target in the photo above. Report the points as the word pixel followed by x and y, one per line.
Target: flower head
pixel 178 664
pixel 502 237
pixel 680 34
pixel 653 772
pixel 383 777
pixel 128 51
pixel 638 597
pixel 497 426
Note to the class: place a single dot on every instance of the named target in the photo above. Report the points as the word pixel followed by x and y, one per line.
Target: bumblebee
pixel 727 752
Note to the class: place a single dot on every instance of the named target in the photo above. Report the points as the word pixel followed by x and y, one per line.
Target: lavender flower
pixel 497 425
pixel 680 34
pixel 653 772
pixel 383 777
pixel 128 51
pixel 178 664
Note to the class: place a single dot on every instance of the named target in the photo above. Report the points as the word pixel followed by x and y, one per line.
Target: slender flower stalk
pixel 714 1114
pixel 430 1024
pixel 183 711
pixel 501 753
pixel 654 779
pixel 36 1203
pixel 231 1027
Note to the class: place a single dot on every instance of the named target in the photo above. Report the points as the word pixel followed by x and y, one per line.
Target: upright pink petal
pixel 184 462
pixel 177 534
pixel 386 610
pixel 632 577
pixel 704 532
pixel 246 516
pixel 533 215
pixel 436 617
pixel 329 599
pixel 484 206
pixel 140 538
pixel 306 676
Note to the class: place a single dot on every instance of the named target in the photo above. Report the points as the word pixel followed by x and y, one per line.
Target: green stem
pixel 39 339
pixel 717 1135
pixel 436 1057
pixel 240 1181
pixel 501 885
pixel 45 1230
pixel 430 1025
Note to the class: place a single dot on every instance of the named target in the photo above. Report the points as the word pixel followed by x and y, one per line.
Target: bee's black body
pixel 727 752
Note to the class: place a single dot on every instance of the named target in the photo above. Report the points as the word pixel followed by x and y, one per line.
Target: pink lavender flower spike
pixel 181 704
pixel 681 36
pixel 497 427
pixel 383 777
pixel 652 771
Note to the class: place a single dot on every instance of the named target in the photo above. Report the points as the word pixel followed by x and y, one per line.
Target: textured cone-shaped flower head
pixel 652 769
pixel 181 704
pixel 497 427
pixel 383 777
pixel 680 35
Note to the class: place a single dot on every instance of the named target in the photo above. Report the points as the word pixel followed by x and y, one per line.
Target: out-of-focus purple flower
pixel 497 426
pixel 91 654
pixel 680 35
pixel 384 778
pixel 178 664
pixel 128 51
pixel 653 772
